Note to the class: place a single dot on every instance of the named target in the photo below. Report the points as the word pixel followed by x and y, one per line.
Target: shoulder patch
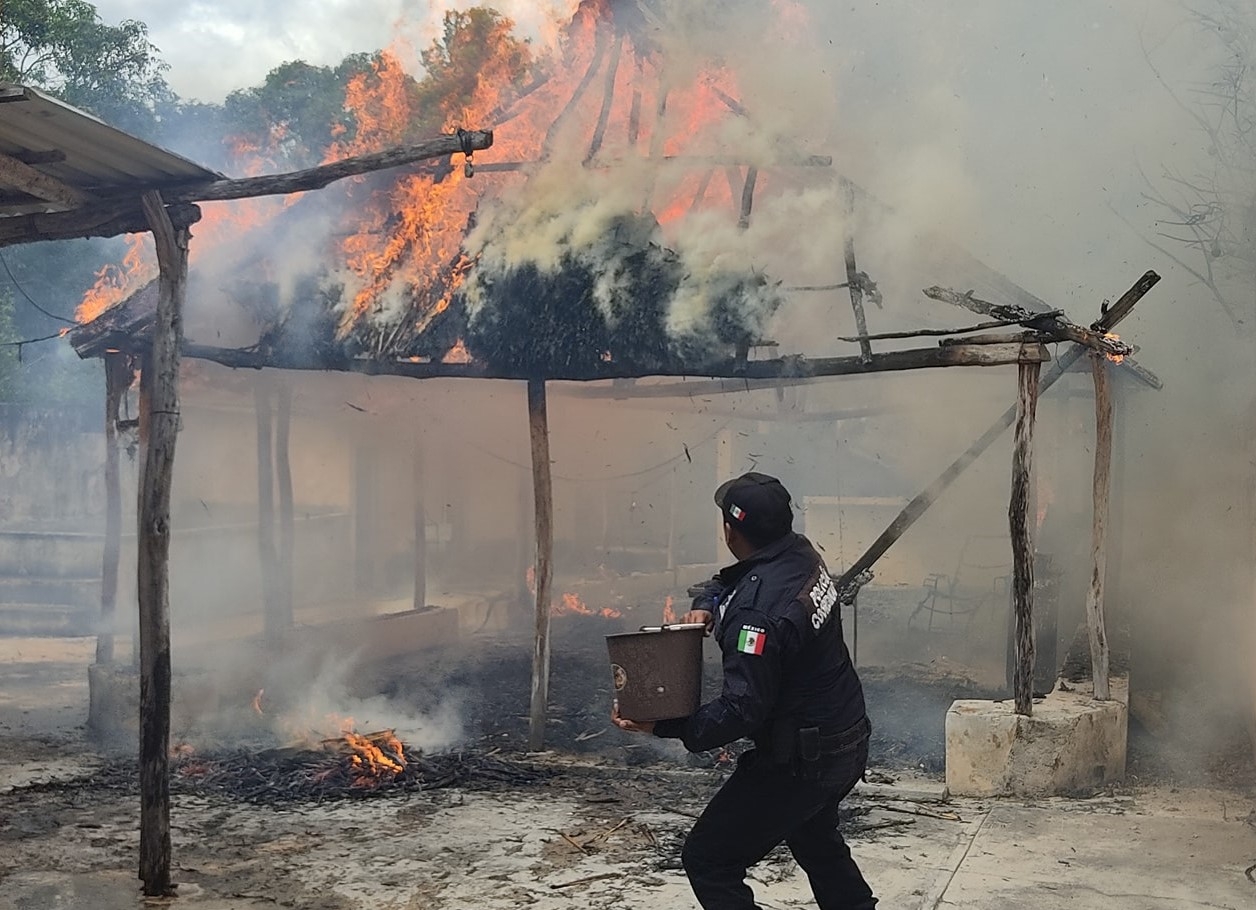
pixel 751 639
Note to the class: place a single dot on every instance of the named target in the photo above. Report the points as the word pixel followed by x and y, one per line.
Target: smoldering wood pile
pixel 326 773
pixel 293 775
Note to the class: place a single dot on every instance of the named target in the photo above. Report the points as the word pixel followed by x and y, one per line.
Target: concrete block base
pixel 1071 745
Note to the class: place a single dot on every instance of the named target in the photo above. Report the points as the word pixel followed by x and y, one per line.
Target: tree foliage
pixel 477 58
pixel 293 116
pixel 62 46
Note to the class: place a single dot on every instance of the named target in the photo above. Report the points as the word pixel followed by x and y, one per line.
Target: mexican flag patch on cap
pixel 751 640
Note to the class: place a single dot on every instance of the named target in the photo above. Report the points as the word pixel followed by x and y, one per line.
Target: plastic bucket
pixel 657 672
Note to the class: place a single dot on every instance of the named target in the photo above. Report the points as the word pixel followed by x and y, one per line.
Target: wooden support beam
pixel 927 497
pixel 21 176
pixel 154 548
pixel 267 554
pixel 285 570
pixel 686 161
pixel 100 220
pixel 316 178
pixel 118 378
pixel 420 524
pixel 1021 526
pixel 634 118
pixel 1053 325
pixel 852 276
pixel 40 156
pixel 777 368
pixel 747 197
pixel 608 100
pixel 1095 623
pixel 543 495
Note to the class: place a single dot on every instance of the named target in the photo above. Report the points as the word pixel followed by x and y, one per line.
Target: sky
pixel 215 46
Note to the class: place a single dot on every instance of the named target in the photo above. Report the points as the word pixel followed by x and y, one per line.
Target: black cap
pixel 757 505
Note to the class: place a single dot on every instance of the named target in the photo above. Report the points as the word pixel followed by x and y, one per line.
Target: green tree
pixel 293 116
pixel 62 46
pixel 476 63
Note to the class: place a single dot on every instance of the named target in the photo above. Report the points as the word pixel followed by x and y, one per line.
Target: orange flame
pixel 256 704
pixel 114 283
pixel 572 603
pixel 1115 358
pixel 376 758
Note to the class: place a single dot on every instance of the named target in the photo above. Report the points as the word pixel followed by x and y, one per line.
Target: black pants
pixel 763 804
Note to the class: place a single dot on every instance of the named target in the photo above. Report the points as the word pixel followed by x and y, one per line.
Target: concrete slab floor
pixel 1151 848
pixel 1136 853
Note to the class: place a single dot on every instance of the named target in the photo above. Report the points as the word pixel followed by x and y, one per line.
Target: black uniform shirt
pixel 785 662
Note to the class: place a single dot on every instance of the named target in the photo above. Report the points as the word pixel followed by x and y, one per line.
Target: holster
pixel 807 763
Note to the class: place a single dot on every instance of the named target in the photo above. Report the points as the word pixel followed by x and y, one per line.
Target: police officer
pixel 790 687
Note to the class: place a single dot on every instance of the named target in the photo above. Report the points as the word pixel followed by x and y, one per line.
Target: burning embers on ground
pixel 352 765
pixel 607 224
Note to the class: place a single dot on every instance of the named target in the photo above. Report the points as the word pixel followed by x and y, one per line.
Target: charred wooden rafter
pixel 1052 326
pixel 927 497
pixel 778 368
pixel 21 176
pixel 114 215
pixel 103 220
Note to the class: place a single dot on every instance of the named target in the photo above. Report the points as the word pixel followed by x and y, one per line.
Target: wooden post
pixel 117 379
pixel 608 100
pixel 266 551
pixel 287 516
pixel 1022 535
pixel 153 568
pixel 543 494
pixel 526 550
pixel 672 506
pixel 420 528
pixel 1099 553
pixel 723 472
pixel 747 197
pixel 852 275
pixel 365 516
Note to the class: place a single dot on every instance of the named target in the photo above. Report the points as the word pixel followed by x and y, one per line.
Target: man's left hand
pixel 632 726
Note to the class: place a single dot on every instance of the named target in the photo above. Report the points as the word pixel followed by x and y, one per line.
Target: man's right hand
pixel 706 617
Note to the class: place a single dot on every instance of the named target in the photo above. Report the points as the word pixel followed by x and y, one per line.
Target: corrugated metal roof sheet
pixel 80 151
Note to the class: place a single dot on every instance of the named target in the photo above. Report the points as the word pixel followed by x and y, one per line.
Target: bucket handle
pixel 674 627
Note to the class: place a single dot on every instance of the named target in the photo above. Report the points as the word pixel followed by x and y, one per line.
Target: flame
pixel 457 354
pixel 669 614
pixel 114 283
pixel 409 240
pixel 221 223
pixel 570 603
pixel 1045 496
pixel 256 704
pixel 573 603
pixel 1115 358
pixel 399 258
pixel 375 758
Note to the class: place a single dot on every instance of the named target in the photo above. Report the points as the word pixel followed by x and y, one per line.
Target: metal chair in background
pixel 971 586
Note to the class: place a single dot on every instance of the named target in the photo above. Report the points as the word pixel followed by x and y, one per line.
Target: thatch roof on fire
pixel 633 225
